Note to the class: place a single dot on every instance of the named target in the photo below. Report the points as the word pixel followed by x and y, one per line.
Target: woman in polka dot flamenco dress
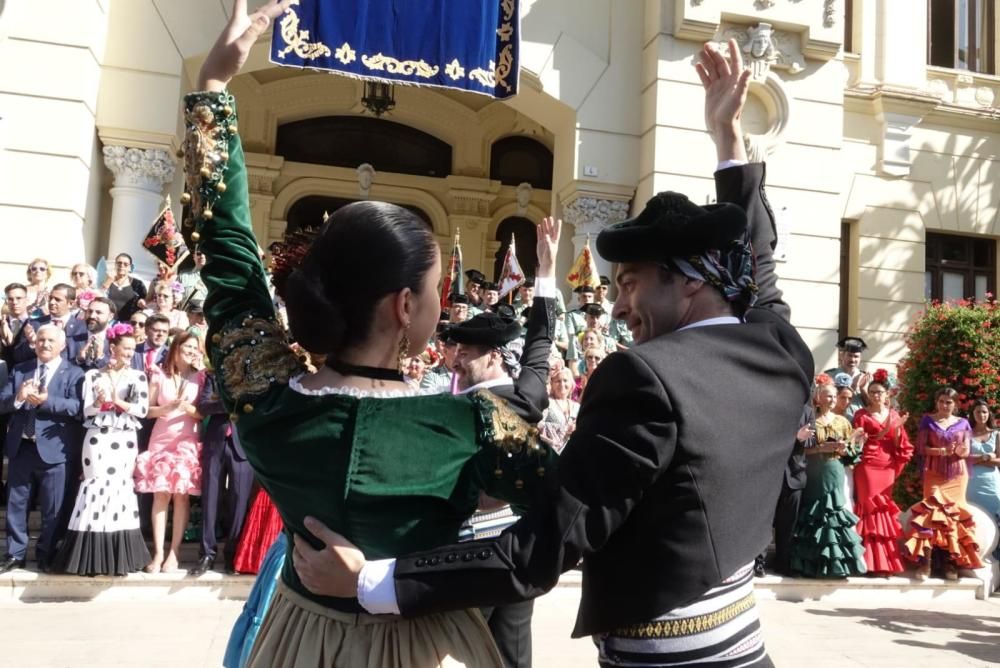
pixel 104 536
pixel 170 469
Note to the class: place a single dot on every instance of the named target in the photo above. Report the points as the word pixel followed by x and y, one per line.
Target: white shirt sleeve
pixel 545 287
pixel 726 164
pixel 377 587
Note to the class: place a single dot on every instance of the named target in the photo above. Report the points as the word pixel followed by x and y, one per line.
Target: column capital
pixel 146 168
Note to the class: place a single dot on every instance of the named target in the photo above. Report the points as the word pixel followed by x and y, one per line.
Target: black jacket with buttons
pixel 669 483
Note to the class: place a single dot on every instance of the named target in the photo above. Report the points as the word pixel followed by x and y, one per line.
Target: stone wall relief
pixel 769 105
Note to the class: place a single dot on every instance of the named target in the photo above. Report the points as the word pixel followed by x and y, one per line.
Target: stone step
pixel 24 586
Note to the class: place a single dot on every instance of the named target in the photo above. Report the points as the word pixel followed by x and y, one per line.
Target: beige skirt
pixel 298 633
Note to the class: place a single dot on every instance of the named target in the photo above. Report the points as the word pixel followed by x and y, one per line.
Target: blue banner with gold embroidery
pixel 468 45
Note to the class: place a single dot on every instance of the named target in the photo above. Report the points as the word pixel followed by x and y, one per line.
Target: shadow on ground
pixel 975 637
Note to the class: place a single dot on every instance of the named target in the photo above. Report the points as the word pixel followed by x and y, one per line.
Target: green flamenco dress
pixel 826 544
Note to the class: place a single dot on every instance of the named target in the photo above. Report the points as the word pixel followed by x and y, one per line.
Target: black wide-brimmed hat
pixel 852 344
pixel 490 328
pixel 458 299
pixel 595 310
pixel 475 276
pixel 584 288
pixel 605 281
pixel 669 226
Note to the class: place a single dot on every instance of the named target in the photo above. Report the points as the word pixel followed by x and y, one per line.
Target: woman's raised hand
pixel 231 50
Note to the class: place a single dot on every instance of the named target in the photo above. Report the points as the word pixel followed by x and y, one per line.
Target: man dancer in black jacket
pixel 666 488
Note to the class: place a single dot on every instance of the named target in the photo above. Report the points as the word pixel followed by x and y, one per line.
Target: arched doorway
pixel 525 235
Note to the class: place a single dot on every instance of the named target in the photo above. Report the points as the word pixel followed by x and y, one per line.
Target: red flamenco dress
pixel 886 451
pixel 263 524
pixel 942 519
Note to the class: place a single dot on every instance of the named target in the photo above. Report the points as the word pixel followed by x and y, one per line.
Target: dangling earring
pixel 404 350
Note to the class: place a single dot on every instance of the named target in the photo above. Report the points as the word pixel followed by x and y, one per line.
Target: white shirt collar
pixel 486 384
pixel 708 322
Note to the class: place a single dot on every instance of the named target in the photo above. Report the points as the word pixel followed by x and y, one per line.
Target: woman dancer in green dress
pixel 352 444
pixel 826 543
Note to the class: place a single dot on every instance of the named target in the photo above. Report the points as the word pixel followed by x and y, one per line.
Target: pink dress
pixel 173 461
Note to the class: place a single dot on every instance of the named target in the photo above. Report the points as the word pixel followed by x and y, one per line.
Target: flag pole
pixel 510 295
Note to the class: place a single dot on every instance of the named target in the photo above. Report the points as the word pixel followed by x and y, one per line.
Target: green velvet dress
pixel 394 474
pixel 826 544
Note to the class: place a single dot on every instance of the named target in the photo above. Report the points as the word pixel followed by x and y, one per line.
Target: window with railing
pixel 959 267
pixel 961 34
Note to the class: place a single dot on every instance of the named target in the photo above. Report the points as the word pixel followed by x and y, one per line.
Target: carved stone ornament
pixel 366 174
pixel 592 214
pixel 148 168
pixel 829 13
pixel 764 47
pixel 761 5
pixel 524 191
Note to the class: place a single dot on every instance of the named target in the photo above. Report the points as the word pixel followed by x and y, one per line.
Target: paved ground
pixel 816 635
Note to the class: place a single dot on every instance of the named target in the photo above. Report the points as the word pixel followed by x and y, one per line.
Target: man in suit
pixel 666 488
pixel 45 434
pixel 786 514
pixel 153 351
pixel 90 348
pixel 62 300
pixel 485 359
pixel 12 325
pixel 221 455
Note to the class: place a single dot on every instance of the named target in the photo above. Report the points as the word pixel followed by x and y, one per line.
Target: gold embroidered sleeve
pixel 513 458
pixel 255 355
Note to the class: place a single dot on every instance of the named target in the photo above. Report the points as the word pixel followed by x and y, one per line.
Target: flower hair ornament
pixel 823 379
pixel 882 377
pixel 119 330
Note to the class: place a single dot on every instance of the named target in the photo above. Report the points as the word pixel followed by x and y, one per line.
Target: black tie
pixel 29 427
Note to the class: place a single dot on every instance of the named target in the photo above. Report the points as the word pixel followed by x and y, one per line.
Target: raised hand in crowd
pixel 230 51
pixel 29 334
pixel 726 83
pixel 548 245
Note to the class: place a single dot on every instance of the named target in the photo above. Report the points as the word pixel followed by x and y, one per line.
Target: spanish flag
pixel 584 269
pixel 454 279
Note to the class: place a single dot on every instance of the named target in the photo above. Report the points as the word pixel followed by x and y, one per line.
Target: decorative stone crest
pixel 591 214
pixel 764 47
pixel 148 168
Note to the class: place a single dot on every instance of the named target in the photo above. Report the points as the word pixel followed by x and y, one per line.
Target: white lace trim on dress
pixel 296 384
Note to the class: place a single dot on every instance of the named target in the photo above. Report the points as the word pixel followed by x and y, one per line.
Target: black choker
pixel 374 372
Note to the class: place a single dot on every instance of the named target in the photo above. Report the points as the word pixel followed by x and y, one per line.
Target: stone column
pixel 589 213
pixel 262 171
pixel 137 199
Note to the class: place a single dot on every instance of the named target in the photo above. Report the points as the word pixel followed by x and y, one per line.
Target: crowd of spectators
pixel 136 397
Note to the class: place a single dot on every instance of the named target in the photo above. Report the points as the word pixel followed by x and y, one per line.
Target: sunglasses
pixel 137 323
pixel 123 264
pixel 595 358
pixel 77 273
pixel 38 268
